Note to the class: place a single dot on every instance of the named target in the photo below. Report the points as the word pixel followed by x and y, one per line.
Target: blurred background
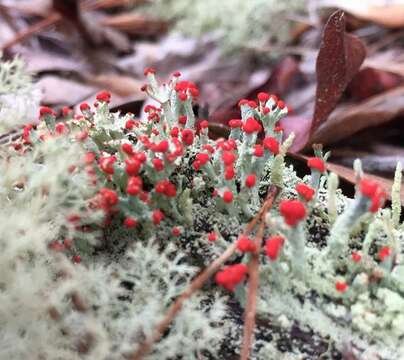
pixel 339 65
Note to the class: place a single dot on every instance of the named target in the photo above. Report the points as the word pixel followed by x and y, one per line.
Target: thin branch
pixel 251 306
pixel 52 19
pixel 200 280
pixel 253 282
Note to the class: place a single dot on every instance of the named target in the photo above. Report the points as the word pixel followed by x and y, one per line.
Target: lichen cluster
pixel 106 218
pixel 237 24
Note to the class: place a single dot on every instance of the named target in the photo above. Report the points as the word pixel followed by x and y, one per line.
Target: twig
pixel 52 19
pixel 253 282
pixel 200 280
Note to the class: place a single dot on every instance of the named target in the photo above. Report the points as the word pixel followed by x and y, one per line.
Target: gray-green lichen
pixel 238 24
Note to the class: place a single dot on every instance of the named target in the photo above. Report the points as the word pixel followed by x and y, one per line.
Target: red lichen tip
pixel 107 164
pixel 258 150
pixel 130 222
pixel 341 286
pixel 45 110
pixel 235 123
pixel 231 276
pixel 305 191
pixel 250 180
pixel 316 163
pixel 242 102
pixel 157 216
pixel 281 105
pixel 176 74
pixel 373 191
pixel 130 124
pixel 202 158
pixel 133 166
pixel 228 158
pixel 127 148
pixel 251 125
pixel 227 196
pixel 293 211
pixel 182 119
pixel 109 197
pixel 149 70
pixel 245 244
pixel 229 172
pixel 176 231
pixel 204 124
pixel 166 188
pixel 212 236
pixel 61 128
pixel 89 157
pixel 271 144
pixel 76 259
pixel 263 97
pixel 66 111
pixel 187 136
pixel 369 188
pixel 273 246
pixel 158 164
pixel 384 253
pixel 103 96
pixel 84 107
pixel 134 185
pixel 356 257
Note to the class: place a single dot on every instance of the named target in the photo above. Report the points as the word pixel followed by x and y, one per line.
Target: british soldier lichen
pixel 105 218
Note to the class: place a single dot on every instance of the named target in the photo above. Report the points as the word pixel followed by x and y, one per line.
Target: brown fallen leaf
pixel 38 61
pixel 109 4
pixel 339 59
pixel 348 174
pixel 59 91
pixel 347 120
pixel 135 24
pixel 120 84
pixel 29 7
pixel 369 82
pixel 390 60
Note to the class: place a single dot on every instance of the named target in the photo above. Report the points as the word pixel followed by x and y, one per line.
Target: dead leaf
pixel 347 120
pixel 339 59
pixel 135 24
pixel 369 82
pixel 44 61
pixel 390 60
pixel 29 7
pixel 57 91
pixel 108 4
pixel 122 85
pixel 299 125
pixel 281 79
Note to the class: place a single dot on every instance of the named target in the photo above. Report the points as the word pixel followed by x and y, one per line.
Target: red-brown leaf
pixel 339 59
